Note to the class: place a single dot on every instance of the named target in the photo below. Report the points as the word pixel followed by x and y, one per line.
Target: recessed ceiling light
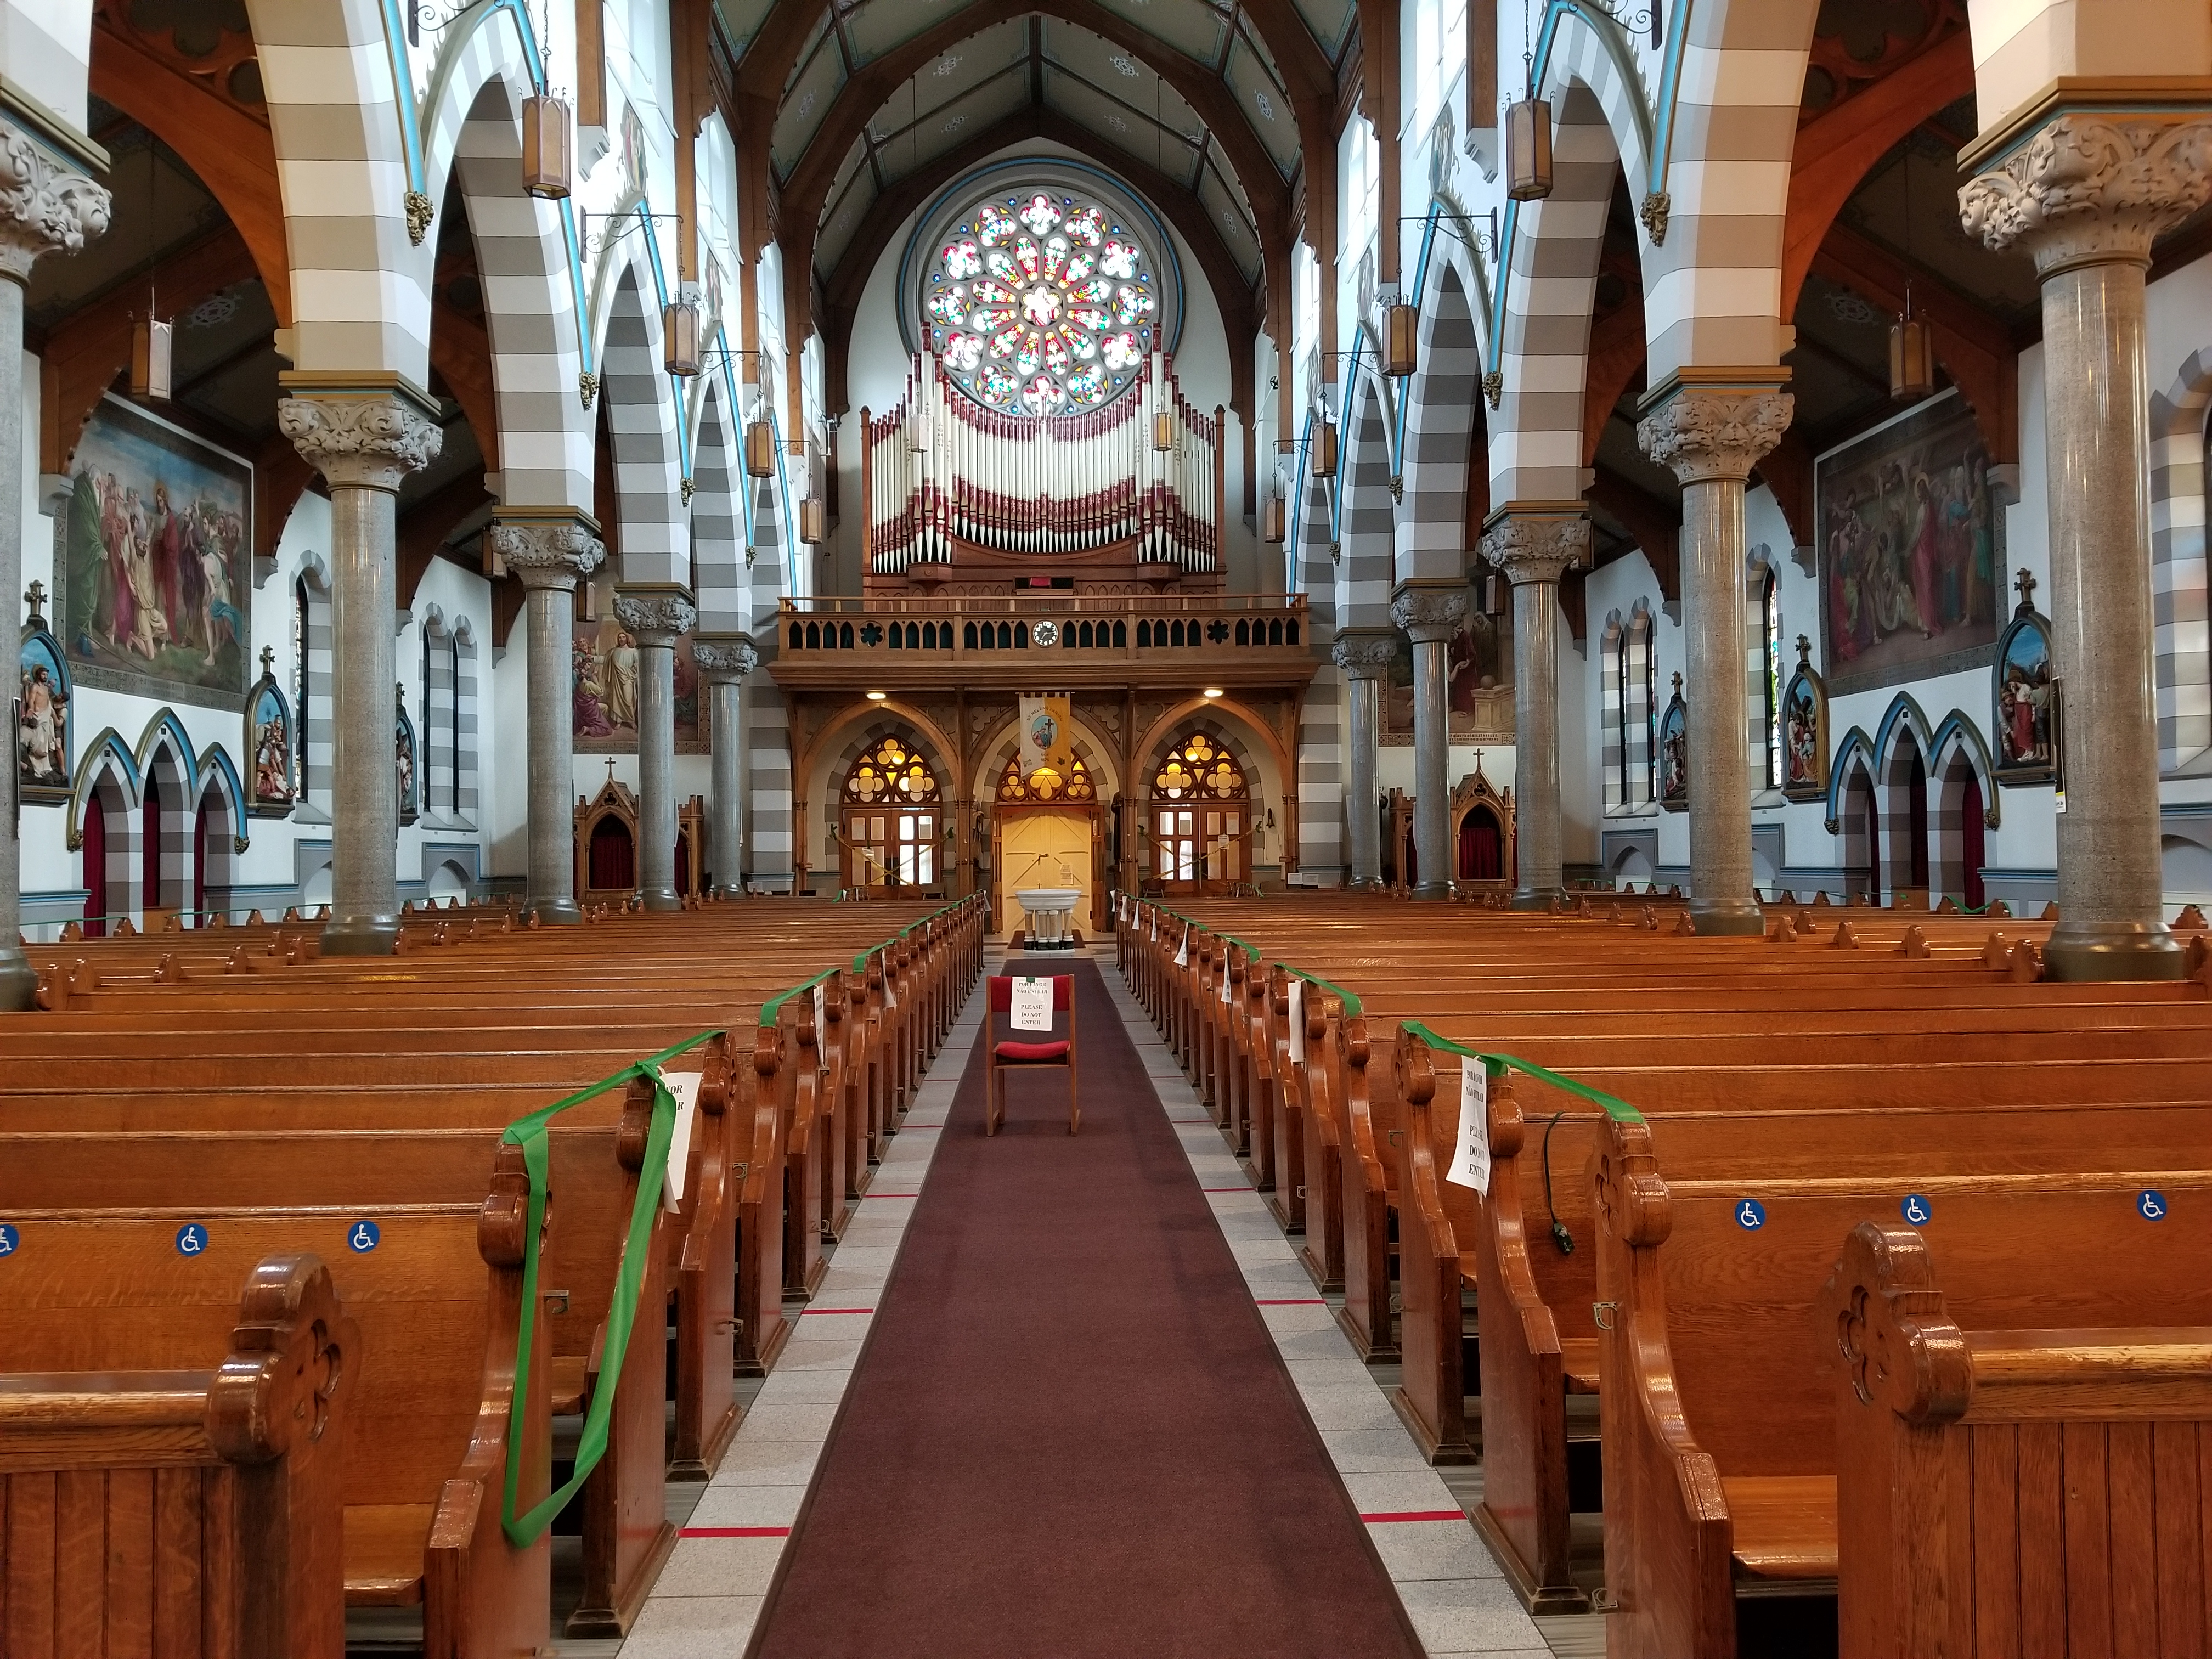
pixel 1212 691
pixel 877 697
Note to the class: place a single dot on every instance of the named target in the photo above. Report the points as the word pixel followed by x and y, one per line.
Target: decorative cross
pixel 36 594
pixel 268 662
pixel 1678 681
pixel 2024 584
pixel 1804 652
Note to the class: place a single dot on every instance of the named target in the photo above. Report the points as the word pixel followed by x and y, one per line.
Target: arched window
pixel 1045 786
pixel 1202 817
pixel 1766 683
pixel 891 818
pixel 310 697
pixel 1613 674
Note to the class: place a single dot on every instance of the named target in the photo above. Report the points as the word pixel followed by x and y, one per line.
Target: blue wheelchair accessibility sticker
pixel 11 1240
pixel 192 1238
pixel 1751 1215
pixel 2150 1205
pixel 1917 1210
pixel 365 1236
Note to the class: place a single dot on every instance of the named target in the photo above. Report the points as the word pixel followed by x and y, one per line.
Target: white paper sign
pixel 1471 1161
pixel 1183 951
pixel 1298 1020
pixel 891 997
pixel 1032 1004
pixel 1224 980
pixel 685 1086
pixel 1155 924
pixel 822 1022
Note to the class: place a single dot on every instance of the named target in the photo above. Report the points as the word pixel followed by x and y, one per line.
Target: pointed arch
pixel 2179 566
pixel 106 786
pixel 1855 813
pixel 218 828
pixel 718 534
pixel 1444 430
pixel 644 423
pixel 1366 519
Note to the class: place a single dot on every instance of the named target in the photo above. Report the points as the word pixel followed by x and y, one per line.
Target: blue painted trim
pixel 165 720
pixel 1903 709
pixel 1838 768
pixel 402 94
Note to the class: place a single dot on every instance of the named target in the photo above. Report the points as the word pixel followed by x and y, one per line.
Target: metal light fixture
pixel 679 336
pixel 1271 523
pixel 1911 355
pixel 1494 589
pixel 151 377
pixel 1163 431
pixel 1401 352
pixel 549 153
pixel 1324 450
pixel 814 521
pixel 760 447
pixel 1528 148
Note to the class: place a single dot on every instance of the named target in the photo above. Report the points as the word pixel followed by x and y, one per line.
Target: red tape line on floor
pixel 804 1312
pixel 735 1532
pixel 1415 1515
pixel 1291 1302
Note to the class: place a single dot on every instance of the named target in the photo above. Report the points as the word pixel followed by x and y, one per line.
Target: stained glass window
pixel 1041 304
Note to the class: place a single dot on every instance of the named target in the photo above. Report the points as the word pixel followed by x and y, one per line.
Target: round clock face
pixel 1045 633
pixel 1041 304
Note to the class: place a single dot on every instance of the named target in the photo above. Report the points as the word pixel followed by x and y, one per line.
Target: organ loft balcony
pixel 1044 640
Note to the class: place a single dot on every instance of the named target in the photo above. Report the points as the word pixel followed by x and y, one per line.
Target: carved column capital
pixel 723 657
pixel 1364 656
pixel 1432 614
pixel 45 205
pixel 547 552
pixel 1533 547
pixel 370 441
pixel 656 616
pixel 2091 189
pixel 1705 432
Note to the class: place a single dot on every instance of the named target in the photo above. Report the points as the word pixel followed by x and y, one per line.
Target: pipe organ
pixel 1138 481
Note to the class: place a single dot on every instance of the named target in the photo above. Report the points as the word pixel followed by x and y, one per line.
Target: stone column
pixel 364 440
pixel 1535 546
pixel 551 554
pixel 1433 615
pixel 656 619
pixel 1711 431
pixel 724 661
pixel 46 203
pixel 2085 195
pixel 1364 658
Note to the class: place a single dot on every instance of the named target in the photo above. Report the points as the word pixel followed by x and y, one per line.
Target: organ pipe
pixel 940 470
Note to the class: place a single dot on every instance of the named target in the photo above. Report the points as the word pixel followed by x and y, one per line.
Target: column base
pixel 1721 918
pixel 1536 898
pixel 1432 892
pixel 663 898
pixel 19 980
pixel 2087 950
pixel 555 912
pixel 726 891
pixel 360 936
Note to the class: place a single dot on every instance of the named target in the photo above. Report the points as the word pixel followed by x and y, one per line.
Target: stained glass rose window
pixel 1041 304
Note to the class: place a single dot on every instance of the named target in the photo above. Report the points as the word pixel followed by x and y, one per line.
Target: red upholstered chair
pixel 1017 1055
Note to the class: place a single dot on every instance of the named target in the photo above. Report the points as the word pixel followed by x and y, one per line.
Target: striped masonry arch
pixel 1367 520
pixel 1320 711
pixel 718 551
pixel 642 422
pixel 1444 423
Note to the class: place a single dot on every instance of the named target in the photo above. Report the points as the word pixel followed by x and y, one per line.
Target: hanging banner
pixel 1047 731
pixel 1471 1164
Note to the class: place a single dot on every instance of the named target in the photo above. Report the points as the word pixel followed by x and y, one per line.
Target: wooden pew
pixel 188 1510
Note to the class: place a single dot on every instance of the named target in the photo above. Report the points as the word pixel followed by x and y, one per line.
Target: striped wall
pixel 438 689
pixel 718 551
pixel 316 725
pixel 1444 420
pixel 2182 637
pixel 656 538
pixel 768 833
pixel 1320 712
pixel 1367 528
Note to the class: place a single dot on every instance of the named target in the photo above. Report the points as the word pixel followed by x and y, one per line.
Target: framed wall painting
pixel 156 553
pixel 1674 753
pixel 1911 549
pixel 604 692
pixel 45 761
pixel 1805 729
pixel 270 743
pixel 2025 709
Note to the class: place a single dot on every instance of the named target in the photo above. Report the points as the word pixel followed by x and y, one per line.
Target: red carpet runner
pixel 1070 1433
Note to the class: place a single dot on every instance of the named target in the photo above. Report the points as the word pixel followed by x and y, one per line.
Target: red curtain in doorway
pixel 95 867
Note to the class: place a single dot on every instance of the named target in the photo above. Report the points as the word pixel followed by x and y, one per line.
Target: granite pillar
pixel 1363 658
pixel 364 434
pixel 48 203
pixel 2084 194
pixel 1535 547
pixel 1432 614
pixel 1711 430
pixel 724 661
pixel 551 554
pixel 656 619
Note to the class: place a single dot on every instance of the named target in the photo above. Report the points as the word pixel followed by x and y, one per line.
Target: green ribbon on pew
pixel 774 1007
pixel 1351 1003
pixel 530 1133
pixel 1496 1065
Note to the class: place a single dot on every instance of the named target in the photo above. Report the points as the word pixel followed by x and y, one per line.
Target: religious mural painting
pixel 158 554
pixel 405 758
pixel 1805 729
pixel 270 744
pixel 606 691
pixel 1674 753
pixel 44 758
pixel 1911 541
pixel 1478 685
pixel 2025 696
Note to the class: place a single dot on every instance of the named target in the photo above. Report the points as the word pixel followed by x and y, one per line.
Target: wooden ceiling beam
pixel 1656 526
pixel 424 527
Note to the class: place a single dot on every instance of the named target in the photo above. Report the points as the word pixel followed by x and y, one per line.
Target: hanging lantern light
pixel 1911 355
pixel 1528 148
pixel 1324 450
pixel 548 156
pixel 1401 351
pixel 1494 591
pixel 679 336
pixel 814 521
pixel 151 379
pixel 1272 522
pixel 1163 429
pixel 760 447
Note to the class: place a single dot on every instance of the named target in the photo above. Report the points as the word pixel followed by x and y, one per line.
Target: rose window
pixel 1042 305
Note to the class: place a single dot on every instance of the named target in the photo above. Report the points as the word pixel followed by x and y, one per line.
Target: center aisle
pixel 1070 1433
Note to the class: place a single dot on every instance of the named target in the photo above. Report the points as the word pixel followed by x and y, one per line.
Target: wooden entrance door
pixel 1200 818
